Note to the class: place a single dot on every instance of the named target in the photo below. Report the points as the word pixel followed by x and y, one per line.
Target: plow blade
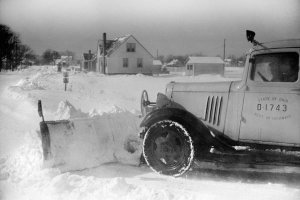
pixel 77 144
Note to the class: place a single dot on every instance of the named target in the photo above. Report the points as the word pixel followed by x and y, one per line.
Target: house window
pixel 140 62
pixel 125 62
pixel 189 67
pixel 130 47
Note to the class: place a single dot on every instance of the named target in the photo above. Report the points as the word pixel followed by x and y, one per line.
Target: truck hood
pixel 201 87
pixel 206 100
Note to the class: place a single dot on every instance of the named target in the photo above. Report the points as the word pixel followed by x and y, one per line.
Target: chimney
pixel 104 52
pixel 90 55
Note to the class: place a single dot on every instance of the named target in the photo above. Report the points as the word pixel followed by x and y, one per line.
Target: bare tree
pixel 12 51
pixel 49 56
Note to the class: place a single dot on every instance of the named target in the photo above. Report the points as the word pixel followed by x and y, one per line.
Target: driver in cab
pixel 284 71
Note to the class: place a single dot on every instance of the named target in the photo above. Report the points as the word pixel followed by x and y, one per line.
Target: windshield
pixel 275 67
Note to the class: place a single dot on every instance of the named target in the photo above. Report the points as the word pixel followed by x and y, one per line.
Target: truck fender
pixel 200 133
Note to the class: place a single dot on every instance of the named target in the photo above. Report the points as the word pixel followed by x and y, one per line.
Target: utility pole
pixel 224 57
pixel 157 54
pixel 224 50
pixel 104 52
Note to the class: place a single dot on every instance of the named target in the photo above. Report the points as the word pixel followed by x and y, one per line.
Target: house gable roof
pixel 113 45
pixel 157 62
pixel 207 60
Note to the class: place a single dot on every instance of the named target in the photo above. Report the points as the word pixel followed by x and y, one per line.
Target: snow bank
pixel 66 110
pixel 25 161
pixel 36 79
pixel 32 83
pixel 35 82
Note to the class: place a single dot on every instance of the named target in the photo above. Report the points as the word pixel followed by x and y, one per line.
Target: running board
pixel 250 161
pixel 242 167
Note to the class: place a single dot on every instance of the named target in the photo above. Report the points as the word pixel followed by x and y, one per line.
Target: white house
pixel 124 55
pixel 204 65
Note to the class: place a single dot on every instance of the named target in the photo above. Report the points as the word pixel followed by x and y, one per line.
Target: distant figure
pixel 289 70
pixel 285 70
pixel 275 72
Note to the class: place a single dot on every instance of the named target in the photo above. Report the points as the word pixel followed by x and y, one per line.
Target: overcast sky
pixel 171 26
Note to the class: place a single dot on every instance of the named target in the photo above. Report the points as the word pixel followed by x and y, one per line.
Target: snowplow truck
pixel 248 124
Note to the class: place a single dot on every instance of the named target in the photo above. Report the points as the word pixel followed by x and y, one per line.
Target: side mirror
pixel 250 35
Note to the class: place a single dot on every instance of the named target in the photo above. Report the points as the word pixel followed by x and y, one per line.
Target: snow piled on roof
pixel 122 38
pixel 174 63
pixel 157 62
pixel 208 60
pixel 116 43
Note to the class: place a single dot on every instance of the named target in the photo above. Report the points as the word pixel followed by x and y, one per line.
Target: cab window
pixel 275 67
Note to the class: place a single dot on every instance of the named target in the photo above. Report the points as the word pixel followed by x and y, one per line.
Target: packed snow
pixel 114 172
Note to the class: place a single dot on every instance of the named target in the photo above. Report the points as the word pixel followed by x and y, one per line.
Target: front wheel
pixel 168 148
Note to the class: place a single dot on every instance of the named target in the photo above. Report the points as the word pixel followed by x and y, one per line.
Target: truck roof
pixel 290 43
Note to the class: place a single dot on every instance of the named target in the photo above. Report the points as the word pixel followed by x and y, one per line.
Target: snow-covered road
pixel 21 172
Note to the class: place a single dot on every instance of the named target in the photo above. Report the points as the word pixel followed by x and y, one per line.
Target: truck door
pixel 271 110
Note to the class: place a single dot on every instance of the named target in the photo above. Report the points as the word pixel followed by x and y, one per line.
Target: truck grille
pixel 213 110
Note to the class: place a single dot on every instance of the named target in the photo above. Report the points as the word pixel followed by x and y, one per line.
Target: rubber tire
pixel 186 146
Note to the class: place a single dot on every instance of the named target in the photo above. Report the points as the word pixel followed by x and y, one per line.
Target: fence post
pixel 65 79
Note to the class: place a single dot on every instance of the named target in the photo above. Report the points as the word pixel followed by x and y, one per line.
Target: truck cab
pixel 259 112
pixel 262 108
